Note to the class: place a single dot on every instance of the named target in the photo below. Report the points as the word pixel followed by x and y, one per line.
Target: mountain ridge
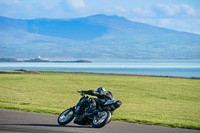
pixel 94 37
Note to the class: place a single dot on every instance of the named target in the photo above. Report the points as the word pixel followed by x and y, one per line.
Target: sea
pixel 158 68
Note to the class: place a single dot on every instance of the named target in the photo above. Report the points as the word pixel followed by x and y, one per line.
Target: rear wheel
pixel 65 117
pixel 101 119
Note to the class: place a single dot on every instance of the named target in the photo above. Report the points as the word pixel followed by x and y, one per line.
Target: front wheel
pixel 65 117
pixel 101 119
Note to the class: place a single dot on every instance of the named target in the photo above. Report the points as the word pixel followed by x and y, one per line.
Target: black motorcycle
pixel 81 115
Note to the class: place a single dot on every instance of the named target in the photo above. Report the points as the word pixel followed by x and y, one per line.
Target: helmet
pixel 101 89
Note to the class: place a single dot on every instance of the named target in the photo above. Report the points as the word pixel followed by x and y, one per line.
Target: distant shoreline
pixel 22 71
pixel 41 60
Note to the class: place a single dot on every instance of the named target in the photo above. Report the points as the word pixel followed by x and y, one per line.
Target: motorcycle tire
pixel 66 117
pixel 101 119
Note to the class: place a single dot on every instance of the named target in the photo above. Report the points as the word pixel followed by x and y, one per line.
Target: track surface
pixel 24 122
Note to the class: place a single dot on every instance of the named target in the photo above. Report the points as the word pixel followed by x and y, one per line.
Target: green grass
pixel 173 102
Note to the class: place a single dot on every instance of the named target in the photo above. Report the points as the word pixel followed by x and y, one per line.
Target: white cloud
pixel 178 10
pixel 74 8
pixel 165 22
pixel 189 10
pixel 115 10
pixel 76 4
pixel 108 11
pixel 143 12
pixel 165 11
pixel 49 6
pixel 180 17
pixel 169 10
pixel 120 9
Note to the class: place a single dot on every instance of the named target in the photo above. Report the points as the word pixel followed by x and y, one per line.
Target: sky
pixel 181 15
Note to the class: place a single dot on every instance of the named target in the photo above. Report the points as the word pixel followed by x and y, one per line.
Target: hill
pixel 94 37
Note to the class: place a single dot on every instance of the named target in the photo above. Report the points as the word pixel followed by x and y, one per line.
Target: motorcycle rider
pixel 102 96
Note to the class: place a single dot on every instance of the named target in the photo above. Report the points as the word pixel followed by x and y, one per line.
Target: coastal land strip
pixel 22 71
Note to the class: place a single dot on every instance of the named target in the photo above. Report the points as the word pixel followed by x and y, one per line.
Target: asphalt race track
pixel 24 122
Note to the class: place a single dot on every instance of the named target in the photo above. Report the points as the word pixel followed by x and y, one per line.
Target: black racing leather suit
pixel 102 97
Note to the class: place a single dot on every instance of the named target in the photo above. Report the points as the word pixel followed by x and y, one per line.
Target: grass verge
pixel 172 102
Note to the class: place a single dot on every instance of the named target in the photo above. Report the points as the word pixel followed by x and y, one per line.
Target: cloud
pixel 143 12
pixel 76 4
pixel 8 1
pixel 49 6
pixel 120 9
pixel 43 8
pixel 164 22
pixel 74 8
pixel 182 24
pixel 175 10
pixel 169 10
pixel 115 11
pixel 163 14
pixel 189 10
pixel 166 11
pixel 180 17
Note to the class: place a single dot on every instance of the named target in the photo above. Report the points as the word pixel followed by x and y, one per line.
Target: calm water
pixel 164 68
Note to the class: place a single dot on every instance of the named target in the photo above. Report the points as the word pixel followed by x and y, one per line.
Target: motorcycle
pixel 82 116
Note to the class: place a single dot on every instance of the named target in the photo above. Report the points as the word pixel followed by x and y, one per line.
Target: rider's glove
pixel 82 93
